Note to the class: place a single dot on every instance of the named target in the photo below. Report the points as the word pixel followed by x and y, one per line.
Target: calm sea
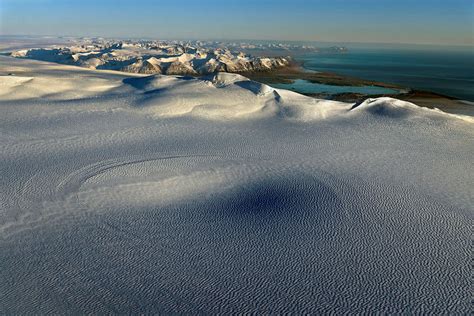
pixel 437 70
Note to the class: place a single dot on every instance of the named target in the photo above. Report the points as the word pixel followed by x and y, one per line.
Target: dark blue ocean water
pixel 437 70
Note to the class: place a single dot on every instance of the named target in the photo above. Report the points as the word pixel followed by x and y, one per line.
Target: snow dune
pixel 125 193
pixel 225 96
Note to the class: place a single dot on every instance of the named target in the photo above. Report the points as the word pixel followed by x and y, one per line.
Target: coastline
pixel 296 71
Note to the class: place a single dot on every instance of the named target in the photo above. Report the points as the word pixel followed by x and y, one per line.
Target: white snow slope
pixel 136 194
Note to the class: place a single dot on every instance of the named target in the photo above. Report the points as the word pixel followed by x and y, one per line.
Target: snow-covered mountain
pixel 154 57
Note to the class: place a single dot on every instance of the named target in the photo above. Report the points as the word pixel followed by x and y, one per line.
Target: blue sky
pixel 447 22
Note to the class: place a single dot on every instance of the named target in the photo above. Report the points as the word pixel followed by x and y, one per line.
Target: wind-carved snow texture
pixel 168 195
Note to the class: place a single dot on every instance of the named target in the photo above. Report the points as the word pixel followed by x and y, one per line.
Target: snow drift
pixel 125 193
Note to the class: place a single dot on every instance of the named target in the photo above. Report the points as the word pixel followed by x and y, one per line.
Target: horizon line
pixel 464 45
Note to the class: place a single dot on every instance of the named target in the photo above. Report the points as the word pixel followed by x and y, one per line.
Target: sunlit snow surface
pixel 167 195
